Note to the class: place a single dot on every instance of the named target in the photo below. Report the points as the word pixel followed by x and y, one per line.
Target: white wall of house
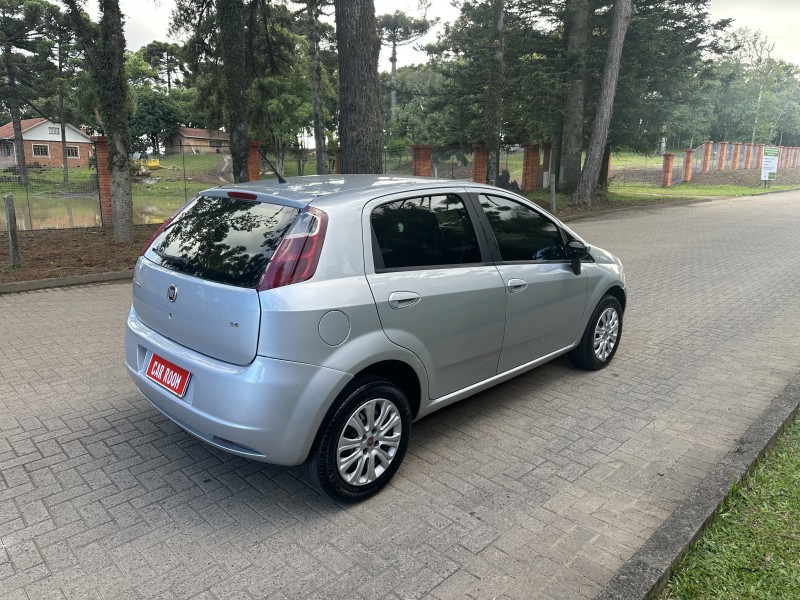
pixel 48 131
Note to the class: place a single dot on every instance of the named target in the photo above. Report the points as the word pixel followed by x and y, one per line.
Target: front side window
pixel 72 152
pixel 41 150
pixel 424 231
pixel 521 232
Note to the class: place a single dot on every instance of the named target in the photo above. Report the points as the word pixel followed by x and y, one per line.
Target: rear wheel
pixel 601 338
pixel 363 441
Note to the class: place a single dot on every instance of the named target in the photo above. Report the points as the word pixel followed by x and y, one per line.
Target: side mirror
pixel 576 251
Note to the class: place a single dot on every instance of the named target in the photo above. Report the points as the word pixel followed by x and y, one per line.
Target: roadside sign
pixel 769 164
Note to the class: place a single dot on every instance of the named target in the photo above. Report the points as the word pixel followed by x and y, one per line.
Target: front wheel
pixel 362 442
pixel 601 338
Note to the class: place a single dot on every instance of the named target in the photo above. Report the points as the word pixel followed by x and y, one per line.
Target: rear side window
pixel 424 231
pixel 521 232
pixel 225 240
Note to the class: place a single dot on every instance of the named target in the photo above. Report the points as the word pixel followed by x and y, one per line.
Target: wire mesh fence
pixel 52 199
pixel 161 184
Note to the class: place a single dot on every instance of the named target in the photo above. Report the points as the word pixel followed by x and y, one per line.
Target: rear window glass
pixel 225 240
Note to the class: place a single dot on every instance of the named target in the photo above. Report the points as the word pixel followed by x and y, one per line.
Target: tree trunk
pixel 360 123
pixel 585 194
pixel 604 174
pixel 393 60
pixel 105 55
pixel 61 119
pixel 232 50
pixel 577 29
pixel 315 68
pixel 555 158
pixel 16 116
pixel 114 108
pixel 494 104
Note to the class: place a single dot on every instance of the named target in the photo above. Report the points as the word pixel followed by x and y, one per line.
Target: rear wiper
pixel 181 262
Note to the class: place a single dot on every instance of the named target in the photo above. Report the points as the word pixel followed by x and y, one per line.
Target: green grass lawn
pixel 751 550
pixel 688 190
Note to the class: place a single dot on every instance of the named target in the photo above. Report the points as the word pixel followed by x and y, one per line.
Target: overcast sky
pixel 147 20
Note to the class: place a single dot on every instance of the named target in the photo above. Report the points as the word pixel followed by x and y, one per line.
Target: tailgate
pixel 218 320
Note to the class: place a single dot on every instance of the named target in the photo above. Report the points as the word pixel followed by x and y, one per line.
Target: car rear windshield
pixel 225 240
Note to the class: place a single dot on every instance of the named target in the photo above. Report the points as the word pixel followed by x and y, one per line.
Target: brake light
pixel 242 195
pixel 298 254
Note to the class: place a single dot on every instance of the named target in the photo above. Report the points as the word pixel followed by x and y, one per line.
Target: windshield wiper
pixel 177 260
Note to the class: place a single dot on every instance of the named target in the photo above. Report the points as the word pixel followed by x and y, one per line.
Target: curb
pixel 646 573
pixel 40 284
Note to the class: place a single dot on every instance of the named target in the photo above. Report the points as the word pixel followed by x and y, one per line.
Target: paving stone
pixel 539 488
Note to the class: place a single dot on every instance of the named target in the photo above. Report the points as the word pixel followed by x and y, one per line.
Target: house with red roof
pixel 41 139
pixel 197 141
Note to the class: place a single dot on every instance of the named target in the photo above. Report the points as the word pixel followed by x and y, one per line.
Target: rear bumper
pixel 269 410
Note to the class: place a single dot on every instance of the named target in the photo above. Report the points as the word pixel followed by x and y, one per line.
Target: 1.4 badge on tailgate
pixel 168 375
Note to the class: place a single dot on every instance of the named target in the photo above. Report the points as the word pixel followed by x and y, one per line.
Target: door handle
pixel 398 300
pixel 516 285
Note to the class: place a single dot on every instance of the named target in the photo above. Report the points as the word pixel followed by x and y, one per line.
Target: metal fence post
pixel 13 242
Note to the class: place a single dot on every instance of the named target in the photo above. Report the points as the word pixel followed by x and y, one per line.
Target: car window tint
pixel 521 232
pixel 425 231
pixel 223 239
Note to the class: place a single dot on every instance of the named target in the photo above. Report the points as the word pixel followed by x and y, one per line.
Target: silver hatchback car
pixel 312 321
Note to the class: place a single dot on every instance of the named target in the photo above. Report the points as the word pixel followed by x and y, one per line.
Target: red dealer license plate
pixel 168 375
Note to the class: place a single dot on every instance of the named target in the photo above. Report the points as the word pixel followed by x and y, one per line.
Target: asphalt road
pixel 539 488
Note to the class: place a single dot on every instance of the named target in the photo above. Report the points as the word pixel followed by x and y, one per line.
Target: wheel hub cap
pixel 369 442
pixel 605 334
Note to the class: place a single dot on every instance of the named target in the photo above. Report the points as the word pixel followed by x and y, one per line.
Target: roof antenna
pixel 271 166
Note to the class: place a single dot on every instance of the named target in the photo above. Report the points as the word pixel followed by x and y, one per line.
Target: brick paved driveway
pixel 538 488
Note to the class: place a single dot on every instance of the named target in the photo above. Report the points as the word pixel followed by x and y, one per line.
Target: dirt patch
pixel 53 253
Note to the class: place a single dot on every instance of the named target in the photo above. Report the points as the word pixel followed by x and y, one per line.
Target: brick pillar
pixel 796 157
pixel 103 180
pixel 737 151
pixel 666 171
pixel 480 163
pixel 254 162
pixel 722 156
pixel 337 160
pixel 748 156
pixel 421 155
pixel 530 168
pixel 759 155
pixel 708 146
pixel 688 164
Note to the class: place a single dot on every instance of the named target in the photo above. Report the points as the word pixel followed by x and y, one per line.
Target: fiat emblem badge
pixel 172 293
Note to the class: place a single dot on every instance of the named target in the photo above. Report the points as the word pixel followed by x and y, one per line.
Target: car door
pixel 437 292
pixel 545 299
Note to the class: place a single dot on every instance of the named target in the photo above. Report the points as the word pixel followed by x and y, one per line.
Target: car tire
pixel 602 336
pixel 362 442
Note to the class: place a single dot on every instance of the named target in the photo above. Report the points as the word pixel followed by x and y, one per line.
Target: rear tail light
pixel 298 254
pixel 164 225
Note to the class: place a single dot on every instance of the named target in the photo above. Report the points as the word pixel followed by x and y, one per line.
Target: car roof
pixel 333 189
